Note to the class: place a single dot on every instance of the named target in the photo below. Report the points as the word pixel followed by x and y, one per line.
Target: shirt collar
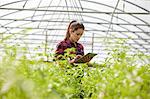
pixel 69 42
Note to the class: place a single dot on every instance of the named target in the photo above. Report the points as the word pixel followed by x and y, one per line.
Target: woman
pixel 74 32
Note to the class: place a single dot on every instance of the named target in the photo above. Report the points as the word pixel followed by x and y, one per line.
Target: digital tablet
pixel 86 58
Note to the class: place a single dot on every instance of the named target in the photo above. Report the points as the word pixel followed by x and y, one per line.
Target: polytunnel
pixel 42 23
pixel 37 62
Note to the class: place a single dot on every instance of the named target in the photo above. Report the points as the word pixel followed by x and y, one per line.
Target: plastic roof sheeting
pixel 44 22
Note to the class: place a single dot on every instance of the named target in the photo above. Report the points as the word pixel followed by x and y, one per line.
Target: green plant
pixel 118 77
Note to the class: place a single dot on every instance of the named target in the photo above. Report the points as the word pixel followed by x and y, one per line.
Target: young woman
pixel 74 32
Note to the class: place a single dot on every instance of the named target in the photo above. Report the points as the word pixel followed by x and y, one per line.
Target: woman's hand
pixel 73 60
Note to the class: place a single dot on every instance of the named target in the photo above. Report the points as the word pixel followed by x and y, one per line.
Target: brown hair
pixel 75 26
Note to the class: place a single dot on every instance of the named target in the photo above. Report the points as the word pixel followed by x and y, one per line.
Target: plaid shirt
pixel 63 45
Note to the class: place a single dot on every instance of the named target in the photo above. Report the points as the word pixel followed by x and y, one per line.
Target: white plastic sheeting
pixel 43 23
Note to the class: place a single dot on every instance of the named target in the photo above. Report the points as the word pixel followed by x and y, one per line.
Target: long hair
pixel 74 25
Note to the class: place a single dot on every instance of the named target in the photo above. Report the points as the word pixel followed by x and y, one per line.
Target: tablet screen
pixel 86 58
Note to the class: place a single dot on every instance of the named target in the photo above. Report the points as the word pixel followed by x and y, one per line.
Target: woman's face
pixel 75 35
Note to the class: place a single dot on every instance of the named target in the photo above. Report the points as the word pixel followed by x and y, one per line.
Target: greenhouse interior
pixel 116 31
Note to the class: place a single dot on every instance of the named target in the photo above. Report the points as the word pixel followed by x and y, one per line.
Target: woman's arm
pixel 73 60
